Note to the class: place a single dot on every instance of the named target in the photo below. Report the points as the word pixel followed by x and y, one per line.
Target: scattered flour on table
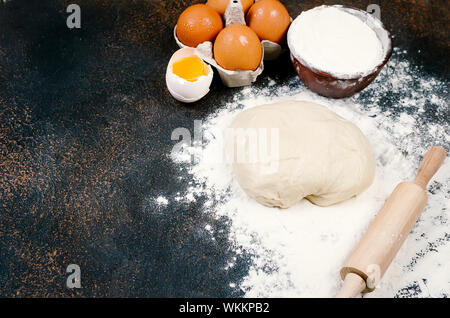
pixel 161 200
pixel 298 252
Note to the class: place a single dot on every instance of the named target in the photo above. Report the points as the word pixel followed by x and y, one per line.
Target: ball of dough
pixel 318 155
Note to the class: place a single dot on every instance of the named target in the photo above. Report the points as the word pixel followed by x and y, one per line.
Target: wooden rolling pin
pixel 374 253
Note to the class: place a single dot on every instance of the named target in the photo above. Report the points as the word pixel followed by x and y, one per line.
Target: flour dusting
pixel 297 252
pixel 161 200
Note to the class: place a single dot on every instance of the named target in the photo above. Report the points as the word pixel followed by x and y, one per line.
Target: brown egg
pixel 197 24
pixel 269 19
pixel 221 5
pixel 237 47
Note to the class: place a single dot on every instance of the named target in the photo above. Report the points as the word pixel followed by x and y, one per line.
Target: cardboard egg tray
pixel 234 14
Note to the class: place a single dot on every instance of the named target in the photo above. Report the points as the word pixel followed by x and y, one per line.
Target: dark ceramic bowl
pixel 339 87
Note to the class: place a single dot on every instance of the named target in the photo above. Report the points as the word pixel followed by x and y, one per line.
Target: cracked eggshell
pixel 181 89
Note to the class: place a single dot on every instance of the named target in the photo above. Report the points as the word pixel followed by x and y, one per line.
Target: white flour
pixel 298 252
pixel 334 41
pixel 161 200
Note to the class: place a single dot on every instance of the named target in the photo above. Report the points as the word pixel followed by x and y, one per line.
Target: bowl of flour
pixel 336 50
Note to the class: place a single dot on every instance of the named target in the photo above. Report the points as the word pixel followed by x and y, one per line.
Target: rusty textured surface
pixel 85 124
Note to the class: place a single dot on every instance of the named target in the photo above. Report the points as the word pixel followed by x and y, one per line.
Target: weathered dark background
pixel 85 125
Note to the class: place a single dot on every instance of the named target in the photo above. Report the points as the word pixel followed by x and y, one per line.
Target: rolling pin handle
pixel 430 164
pixel 353 286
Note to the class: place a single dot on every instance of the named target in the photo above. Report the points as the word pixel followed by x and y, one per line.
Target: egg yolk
pixel 190 68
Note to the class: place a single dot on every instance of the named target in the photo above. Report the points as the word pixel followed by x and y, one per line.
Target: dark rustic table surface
pixel 85 125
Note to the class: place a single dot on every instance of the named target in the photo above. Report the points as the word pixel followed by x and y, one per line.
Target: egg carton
pixel 234 14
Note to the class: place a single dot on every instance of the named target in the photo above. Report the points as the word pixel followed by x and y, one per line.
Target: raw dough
pixel 322 157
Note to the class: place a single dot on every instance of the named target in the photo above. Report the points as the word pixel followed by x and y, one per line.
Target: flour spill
pixel 298 252
pixel 162 200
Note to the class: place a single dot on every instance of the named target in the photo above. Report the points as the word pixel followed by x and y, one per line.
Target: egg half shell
pixel 181 89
